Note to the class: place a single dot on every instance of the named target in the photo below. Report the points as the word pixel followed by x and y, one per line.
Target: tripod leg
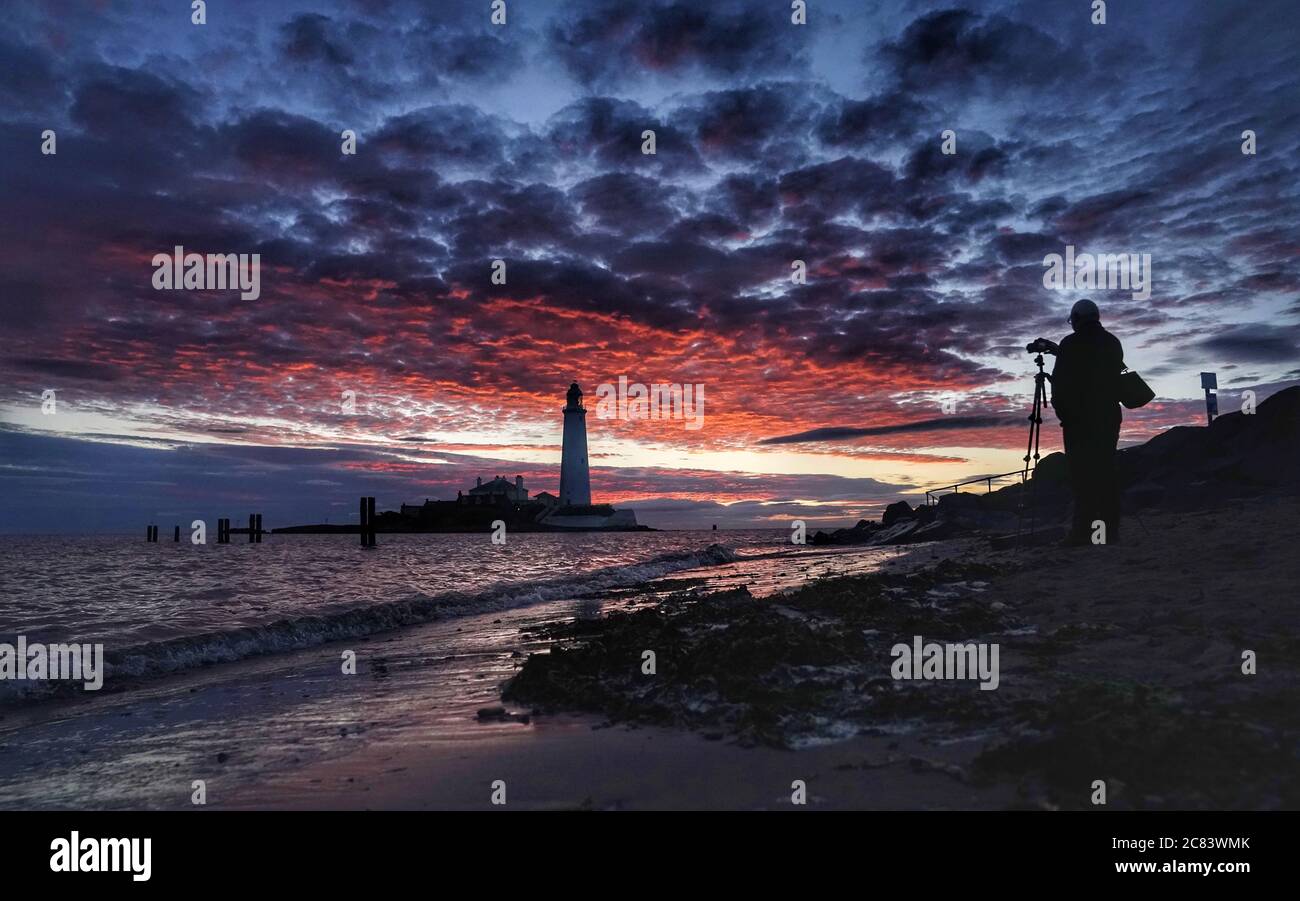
pixel 1035 434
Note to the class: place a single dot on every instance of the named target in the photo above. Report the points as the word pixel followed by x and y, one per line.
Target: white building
pixel 575 477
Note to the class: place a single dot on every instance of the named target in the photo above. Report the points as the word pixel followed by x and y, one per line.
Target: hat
pixel 1084 311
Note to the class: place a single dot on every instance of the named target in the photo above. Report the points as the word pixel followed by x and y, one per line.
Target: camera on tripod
pixel 1041 346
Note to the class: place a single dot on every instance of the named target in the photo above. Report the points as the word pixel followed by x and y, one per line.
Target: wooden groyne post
pixel 367 521
pixel 254 529
pixel 223 531
pixel 151 534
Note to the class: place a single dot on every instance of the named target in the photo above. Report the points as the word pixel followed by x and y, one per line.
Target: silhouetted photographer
pixel 1086 396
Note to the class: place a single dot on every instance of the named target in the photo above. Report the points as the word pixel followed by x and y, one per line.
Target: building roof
pixel 495 486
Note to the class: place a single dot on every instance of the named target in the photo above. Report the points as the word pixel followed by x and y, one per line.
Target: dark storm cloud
pixel 1016 248
pixel 1255 343
pixel 767 122
pixel 534 216
pixel 445 135
pixel 611 42
pixel 284 148
pixel 961 48
pixel 872 121
pixel 352 57
pixel 124 103
pixel 842 185
pixel 1102 214
pixel 28 82
pixel 980 157
pixel 752 199
pixel 946 424
pixel 608 132
pixel 625 203
pixel 73 369
pixel 313 37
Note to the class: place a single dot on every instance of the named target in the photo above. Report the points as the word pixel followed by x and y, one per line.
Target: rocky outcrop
pixel 896 512
pixel 1240 455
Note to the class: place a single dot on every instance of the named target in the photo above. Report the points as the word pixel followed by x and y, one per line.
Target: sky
pixel 897 365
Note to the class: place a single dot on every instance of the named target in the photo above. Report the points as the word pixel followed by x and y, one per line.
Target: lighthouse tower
pixel 575 480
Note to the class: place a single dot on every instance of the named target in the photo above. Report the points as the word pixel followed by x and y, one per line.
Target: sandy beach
pixel 1117 663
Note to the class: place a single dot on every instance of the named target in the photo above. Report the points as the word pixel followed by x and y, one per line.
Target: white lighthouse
pixel 575 479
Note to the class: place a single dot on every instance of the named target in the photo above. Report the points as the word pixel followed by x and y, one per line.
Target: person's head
pixel 1084 313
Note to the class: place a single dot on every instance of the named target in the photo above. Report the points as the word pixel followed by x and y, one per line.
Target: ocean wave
pixel 177 654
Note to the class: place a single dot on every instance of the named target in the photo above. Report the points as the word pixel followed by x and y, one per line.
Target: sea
pixel 160 608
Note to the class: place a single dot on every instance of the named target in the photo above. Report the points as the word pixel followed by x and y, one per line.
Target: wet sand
pixel 572 763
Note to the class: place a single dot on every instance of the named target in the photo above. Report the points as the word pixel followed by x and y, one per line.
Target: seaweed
pixel 775 671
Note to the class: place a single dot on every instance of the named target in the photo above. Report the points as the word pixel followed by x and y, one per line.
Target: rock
pixel 897 533
pixel 934 531
pixel 859 534
pixel 896 512
pixel 959 503
pixel 498 714
pixel 1052 468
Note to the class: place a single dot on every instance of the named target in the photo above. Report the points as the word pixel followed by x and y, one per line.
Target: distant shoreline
pixel 325 529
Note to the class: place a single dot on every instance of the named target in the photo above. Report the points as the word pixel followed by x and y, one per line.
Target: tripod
pixel 1035 433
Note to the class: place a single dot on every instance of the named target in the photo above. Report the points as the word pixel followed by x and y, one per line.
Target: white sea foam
pixel 159 658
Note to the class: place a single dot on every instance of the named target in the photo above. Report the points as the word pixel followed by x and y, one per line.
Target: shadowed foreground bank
pixel 1121 664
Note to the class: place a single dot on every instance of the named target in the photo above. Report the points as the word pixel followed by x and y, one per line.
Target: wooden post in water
pixel 259 528
pixel 366 520
pixel 176 536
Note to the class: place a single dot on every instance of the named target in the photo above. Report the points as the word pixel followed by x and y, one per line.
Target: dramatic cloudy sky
pixel 522 142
